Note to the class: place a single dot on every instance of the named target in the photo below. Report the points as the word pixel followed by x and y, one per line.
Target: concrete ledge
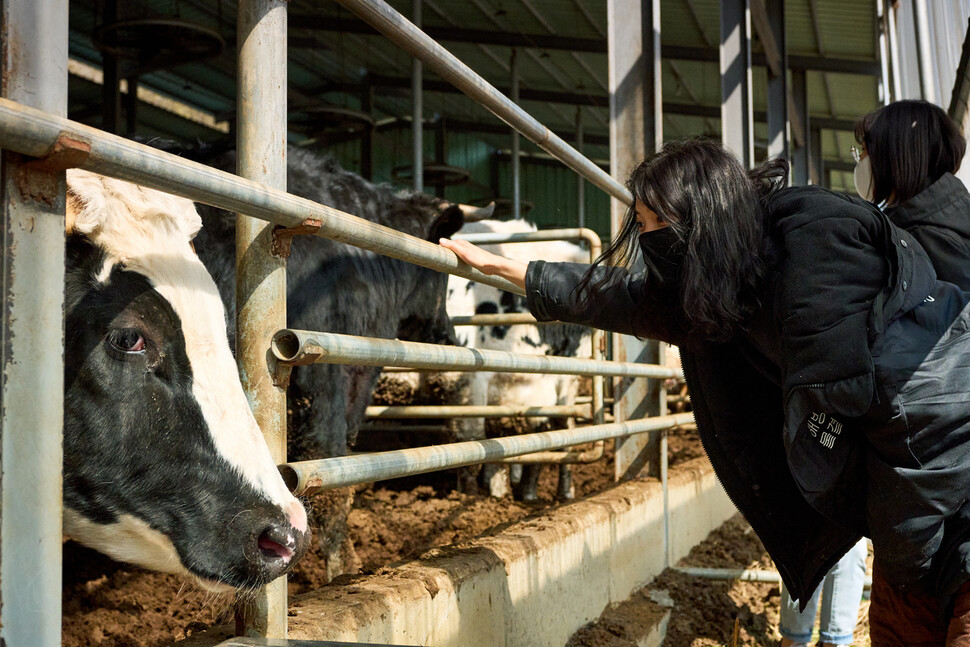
pixel 533 584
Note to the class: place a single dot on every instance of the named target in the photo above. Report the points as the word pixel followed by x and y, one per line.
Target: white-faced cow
pixel 340 288
pixel 520 389
pixel 164 465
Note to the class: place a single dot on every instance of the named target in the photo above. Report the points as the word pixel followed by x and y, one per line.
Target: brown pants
pixel 916 620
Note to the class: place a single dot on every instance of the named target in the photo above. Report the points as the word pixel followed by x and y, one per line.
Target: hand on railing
pixel 487 262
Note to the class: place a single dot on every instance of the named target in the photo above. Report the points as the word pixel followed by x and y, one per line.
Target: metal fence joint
pixel 38 179
pixel 283 236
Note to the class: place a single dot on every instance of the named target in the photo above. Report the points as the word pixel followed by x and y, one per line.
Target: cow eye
pixel 127 340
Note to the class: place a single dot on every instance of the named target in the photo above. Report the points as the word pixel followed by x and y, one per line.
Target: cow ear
pixel 447 223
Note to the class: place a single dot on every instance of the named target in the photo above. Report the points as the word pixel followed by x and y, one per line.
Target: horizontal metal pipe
pixel 309 476
pixel 742 574
pixel 390 427
pixel 539 236
pixel 410 38
pixel 510 319
pixel 33 132
pixel 585 399
pixel 475 411
pixel 568 457
pixel 302 347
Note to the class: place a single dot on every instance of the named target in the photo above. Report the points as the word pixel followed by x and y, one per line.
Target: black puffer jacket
pixel 783 432
pixel 939 219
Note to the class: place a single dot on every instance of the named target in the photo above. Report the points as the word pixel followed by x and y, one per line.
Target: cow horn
pixel 474 214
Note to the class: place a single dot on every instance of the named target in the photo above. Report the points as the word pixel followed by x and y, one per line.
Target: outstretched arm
pixel 487 262
pixel 622 304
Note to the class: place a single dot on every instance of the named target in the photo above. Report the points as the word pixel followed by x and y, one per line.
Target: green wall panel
pixel 548 185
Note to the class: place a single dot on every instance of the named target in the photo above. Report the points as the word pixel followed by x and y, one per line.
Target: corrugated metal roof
pixel 332 53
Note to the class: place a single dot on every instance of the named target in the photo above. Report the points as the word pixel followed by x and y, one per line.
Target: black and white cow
pixel 164 465
pixel 340 288
pixel 518 389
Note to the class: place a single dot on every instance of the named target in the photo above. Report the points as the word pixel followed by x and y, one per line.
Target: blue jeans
pixel 841 593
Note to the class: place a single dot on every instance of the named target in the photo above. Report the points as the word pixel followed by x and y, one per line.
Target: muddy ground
pixel 111 605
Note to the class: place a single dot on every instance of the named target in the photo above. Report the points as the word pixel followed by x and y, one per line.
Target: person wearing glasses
pixel 828 367
pixel 907 156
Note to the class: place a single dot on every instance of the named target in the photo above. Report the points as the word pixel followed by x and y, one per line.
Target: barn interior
pixel 164 71
pixel 351 91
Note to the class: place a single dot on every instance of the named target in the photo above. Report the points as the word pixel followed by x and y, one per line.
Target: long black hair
pixel 716 210
pixel 911 144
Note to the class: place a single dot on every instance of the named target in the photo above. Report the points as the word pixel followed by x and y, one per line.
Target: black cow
pixel 339 288
pixel 164 465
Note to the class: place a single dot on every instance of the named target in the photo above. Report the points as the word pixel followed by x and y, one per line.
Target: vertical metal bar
pixel 111 88
pixel 779 137
pixel 894 66
pixel 882 38
pixel 652 98
pixel 815 156
pixel 441 150
pixel 261 277
pixel 516 144
pixel 737 118
pixel 34 63
pixel 924 51
pixel 131 106
pixel 800 154
pixel 635 130
pixel 367 141
pixel 580 182
pixel 417 123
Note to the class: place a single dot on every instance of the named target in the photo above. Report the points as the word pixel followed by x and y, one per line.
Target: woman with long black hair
pixel 827 364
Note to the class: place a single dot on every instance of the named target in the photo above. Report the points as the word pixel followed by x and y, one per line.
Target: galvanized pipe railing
pixel 302 347
pixel 405 34
pixel 538 236
pixel 34 70
pixel 477 411
pixel 260 275
pixel 510 319
pixel 597 398
pixel 33 132
pixel 742 574
pixel 305 477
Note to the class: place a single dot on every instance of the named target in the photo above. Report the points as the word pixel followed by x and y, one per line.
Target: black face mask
pixel 663 254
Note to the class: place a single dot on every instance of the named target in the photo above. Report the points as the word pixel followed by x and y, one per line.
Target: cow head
pixel 164 465
pixel 424 315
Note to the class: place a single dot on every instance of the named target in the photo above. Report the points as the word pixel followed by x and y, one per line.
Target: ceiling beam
pixel 571 98
pixel 480 36
pixel 762 26
pixel 795 62
pixel 714 112
pixel 492 128
pixel 592 45
pixel 431 85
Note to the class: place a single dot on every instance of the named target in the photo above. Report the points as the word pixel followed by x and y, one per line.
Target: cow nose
pixel 296 515
pixel 276 546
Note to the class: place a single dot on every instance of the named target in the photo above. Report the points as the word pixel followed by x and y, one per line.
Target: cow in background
pixel 164 465
pixel 335 287
pixel 520 389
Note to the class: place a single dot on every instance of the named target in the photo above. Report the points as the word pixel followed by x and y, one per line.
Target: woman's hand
pixel 487 262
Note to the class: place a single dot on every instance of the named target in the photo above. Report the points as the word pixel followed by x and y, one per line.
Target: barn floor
pixel 704 611
pixel 108 606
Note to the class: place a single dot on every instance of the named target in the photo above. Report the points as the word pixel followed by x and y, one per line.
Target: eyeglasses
pixel 857 152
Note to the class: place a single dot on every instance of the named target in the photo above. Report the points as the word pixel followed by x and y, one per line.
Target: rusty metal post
pixel 34 72
pixel 260 276
pixel 635 131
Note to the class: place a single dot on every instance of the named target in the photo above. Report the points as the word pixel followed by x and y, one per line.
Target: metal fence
pixel 31 124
